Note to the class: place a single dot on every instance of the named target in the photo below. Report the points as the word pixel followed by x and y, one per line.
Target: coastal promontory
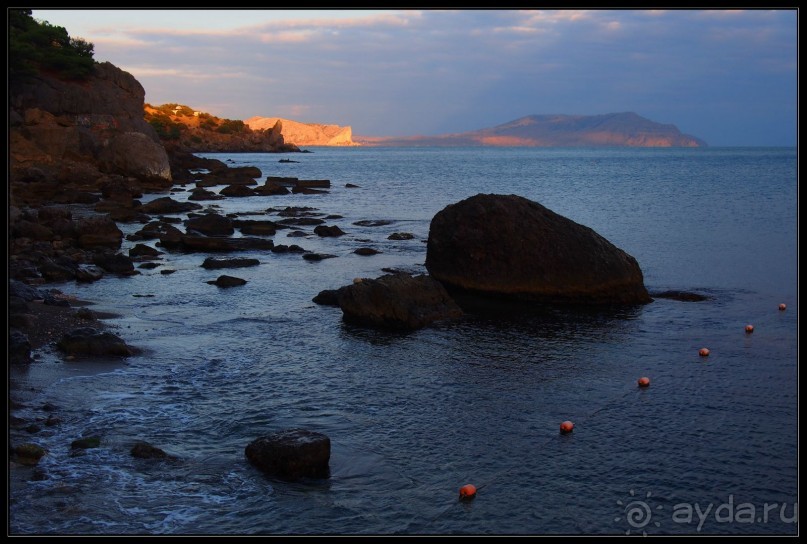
pixel 305 134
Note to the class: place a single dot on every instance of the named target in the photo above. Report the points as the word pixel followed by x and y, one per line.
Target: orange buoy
pixel 749 328
pixel 783 306
pixel 643 381
pixel 703 352
pixel 566 427
pixel 467 492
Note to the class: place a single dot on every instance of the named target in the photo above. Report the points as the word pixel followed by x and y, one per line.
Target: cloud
pixel 431 71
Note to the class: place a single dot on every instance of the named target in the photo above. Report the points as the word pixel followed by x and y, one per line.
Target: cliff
pixel 608 130
pixel 184 129
pixel 305 134
pixel 79 132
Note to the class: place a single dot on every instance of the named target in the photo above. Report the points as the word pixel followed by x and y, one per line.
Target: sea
pixel 710 447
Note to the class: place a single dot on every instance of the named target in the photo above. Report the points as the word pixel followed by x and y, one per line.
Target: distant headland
pixel 607 130
pixel 307 134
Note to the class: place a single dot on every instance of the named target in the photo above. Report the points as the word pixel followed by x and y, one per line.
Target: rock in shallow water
pixel 393 301
pixel 91 341
pixel 291 454
pixel 511 247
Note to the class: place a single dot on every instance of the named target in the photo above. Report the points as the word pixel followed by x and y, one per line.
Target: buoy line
pixel 469 491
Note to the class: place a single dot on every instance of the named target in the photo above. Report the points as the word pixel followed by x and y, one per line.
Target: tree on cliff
pixel 35 46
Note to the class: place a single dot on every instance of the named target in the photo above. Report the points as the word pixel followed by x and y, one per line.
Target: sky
pixel 728 77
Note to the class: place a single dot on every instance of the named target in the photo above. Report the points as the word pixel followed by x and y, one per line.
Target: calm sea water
pixel 710 447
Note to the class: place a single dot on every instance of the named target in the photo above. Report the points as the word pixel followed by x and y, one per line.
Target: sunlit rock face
pixel 305 134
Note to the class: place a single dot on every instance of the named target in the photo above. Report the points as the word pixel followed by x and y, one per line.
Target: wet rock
pixel 317 256
pixel 327 297
pixel 142 250
pixel 506 246
pixel 167 271
pixel 144 450
pixel 85 313
pixel 167 204
pixel 88 341
pixel 683 296
pixel 227 281
pixel 312 183
pixel 401 236
pixel 282 248
pixel 86 442
pixel 256 228
pixel 297 211
pixel 156 229
pixel 213 263
pixel 24 291
pixel 203 194
pixel 215 244
pixel 52 421
pixel 270 189
pixel 57 271
pixel 397 301
pixel 328 231
pixel 19 347
pixel 29 454
pixel 308 191
pixel 373 222
pixel 88 273
pixel 302 221
pixel 366 251
pixel 210 224
pixel 351 186
pixel 98 231
pixel 115 263
pixel 148 266
pixel 237 191
pixel 291 455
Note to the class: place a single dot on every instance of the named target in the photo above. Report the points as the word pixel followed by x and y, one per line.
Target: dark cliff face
pixel 110 99
pixel 58 126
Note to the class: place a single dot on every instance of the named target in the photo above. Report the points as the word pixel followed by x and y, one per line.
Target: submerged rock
pixel 511 247
pixel 86 442
pixel 291 454
pixel 144 450
pixel 683 296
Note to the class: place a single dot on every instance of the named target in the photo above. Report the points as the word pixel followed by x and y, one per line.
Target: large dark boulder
pixel 291 454
pixel 396 301
pixel 135 154
pixel 508 246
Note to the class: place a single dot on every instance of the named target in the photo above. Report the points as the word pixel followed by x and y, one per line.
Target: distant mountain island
pixel 608 130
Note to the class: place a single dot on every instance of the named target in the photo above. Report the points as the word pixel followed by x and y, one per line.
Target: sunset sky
pixel 728 77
